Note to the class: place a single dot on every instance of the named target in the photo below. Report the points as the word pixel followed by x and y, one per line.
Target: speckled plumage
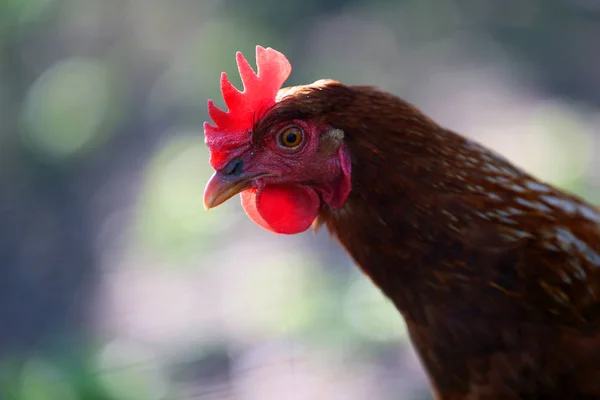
pixel 496 274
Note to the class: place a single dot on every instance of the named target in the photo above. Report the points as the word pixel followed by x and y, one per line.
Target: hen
pixel 496 274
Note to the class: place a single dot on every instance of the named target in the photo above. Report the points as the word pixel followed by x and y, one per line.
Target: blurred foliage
pixel 102 166
pixel 168 220
pixel 68 109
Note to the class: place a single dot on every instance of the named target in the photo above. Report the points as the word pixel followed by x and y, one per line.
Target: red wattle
pixel 286 209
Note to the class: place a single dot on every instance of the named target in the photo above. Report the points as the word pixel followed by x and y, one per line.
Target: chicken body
pixel 496 274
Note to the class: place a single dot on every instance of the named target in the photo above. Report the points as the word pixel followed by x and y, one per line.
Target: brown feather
pixel 496 274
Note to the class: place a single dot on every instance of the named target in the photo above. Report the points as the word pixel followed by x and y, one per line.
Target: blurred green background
pixel 114 282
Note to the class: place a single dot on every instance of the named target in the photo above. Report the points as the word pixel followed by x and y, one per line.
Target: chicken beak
pixel 221 188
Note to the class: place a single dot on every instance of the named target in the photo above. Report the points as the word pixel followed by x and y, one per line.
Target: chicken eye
pixel 291 137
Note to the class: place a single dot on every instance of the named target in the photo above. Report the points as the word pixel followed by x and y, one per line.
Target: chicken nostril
pixel 233 168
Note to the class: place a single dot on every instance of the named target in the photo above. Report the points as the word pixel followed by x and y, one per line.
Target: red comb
pixel 228 136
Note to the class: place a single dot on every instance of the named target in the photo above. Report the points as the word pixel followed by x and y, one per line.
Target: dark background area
pixel 116 284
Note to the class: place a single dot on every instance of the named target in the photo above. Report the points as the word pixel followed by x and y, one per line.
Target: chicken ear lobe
pixel 337 193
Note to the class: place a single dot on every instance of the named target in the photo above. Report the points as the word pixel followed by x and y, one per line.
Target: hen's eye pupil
pixel 291 137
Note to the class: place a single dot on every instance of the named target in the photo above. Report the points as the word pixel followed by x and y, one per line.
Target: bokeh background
pixel 115 284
